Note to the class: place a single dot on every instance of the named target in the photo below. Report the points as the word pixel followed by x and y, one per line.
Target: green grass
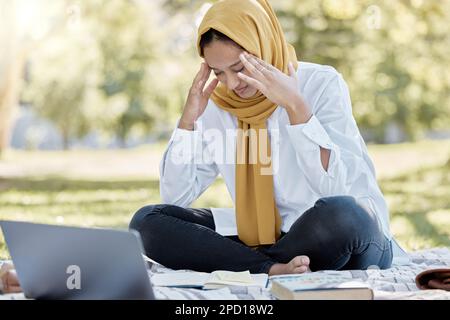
pixel 419 203
pixel 105 188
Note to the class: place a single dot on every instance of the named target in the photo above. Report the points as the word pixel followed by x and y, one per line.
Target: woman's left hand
pixel 278 87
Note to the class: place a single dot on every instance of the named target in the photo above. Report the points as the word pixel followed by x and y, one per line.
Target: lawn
pixel 104 188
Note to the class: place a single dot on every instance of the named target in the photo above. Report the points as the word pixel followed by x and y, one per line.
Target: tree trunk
pixel 12 60
pixel 14 49
pixel 9 97
pixel 65 139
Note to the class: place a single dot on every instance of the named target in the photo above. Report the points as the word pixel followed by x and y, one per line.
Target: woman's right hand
pixel 197 99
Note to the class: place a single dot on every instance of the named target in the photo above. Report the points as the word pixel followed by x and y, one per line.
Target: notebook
pixel 214 280
pixel 319 286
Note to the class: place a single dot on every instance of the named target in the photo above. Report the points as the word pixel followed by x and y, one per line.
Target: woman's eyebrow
pixel 232 65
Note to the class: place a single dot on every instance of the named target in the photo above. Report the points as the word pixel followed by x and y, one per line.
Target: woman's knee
pixel 346 216
pixel 144 212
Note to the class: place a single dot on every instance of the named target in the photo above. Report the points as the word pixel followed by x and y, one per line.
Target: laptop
pixel 60 262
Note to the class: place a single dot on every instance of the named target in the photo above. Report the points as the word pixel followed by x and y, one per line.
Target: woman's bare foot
pixel 299 264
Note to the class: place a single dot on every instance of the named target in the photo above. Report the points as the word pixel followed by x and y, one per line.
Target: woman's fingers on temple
pixel 198 75
pixel 253 82
pixel 206 70
pixel 262 68
pixel 250 65
pixel 210 88
pixel 206 73
pixel 245 62
pixel 202 72
pixel 265 64
pixel 201 81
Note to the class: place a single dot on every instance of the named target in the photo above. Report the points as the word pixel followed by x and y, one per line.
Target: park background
pixel 90 92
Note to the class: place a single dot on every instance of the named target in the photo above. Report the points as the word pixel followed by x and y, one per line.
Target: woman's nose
pixel 233 81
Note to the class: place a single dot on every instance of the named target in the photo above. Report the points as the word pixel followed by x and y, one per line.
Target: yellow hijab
pixel 254 26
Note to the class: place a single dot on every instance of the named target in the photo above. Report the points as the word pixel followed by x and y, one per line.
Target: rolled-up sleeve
pixel 331 127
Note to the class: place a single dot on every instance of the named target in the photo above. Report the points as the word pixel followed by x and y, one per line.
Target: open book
pixel 215 280
pixel 319 286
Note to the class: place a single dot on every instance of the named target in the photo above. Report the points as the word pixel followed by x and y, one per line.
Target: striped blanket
pixel 398 282
pixel 394 283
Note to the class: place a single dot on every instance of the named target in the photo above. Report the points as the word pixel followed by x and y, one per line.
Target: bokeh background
pixel 90 91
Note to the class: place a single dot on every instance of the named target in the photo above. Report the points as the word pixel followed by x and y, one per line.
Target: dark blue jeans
pixel 336 234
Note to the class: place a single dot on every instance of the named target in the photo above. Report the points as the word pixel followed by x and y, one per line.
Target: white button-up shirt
pixel 194 158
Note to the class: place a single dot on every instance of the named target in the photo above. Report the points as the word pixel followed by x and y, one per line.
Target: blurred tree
pixel 124 67
pixel 120 66
pixel 145 68
pixel 393 54
pixel 128 42
pixel 17 38
pixel 11 65
pixel 60 80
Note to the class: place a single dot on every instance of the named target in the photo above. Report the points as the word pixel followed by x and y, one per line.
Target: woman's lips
pixel 240 91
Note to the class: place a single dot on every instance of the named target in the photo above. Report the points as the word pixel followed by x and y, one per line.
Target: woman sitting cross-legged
pixel 282 135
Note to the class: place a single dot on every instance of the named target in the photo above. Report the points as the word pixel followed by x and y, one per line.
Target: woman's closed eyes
pixel 220 72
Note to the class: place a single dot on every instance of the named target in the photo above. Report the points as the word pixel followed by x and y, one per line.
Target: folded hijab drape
pixel 254 26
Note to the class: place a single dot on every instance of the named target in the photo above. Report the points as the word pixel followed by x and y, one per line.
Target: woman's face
pixel 223 58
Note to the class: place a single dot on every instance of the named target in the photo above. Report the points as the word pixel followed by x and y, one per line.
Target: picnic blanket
pixel 397 282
